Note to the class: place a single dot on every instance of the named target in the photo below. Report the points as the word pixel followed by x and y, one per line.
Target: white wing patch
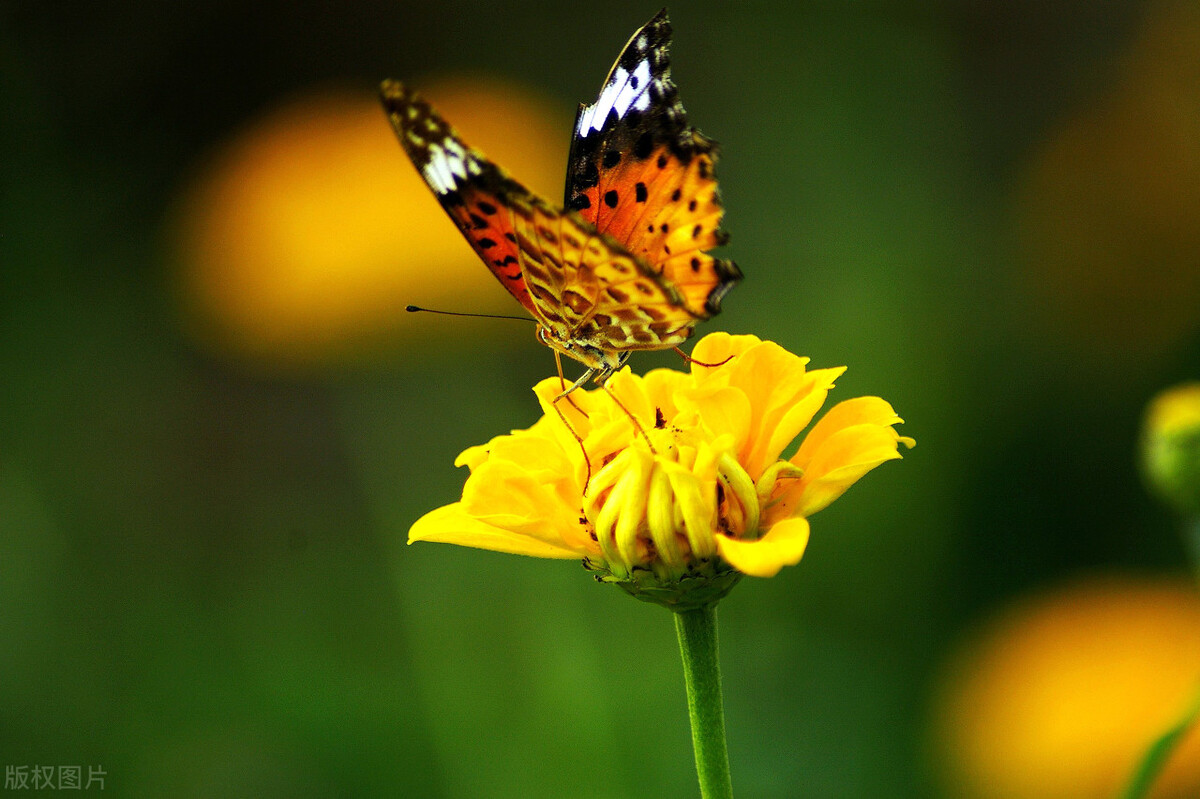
pixel 623 92
pixel 448 164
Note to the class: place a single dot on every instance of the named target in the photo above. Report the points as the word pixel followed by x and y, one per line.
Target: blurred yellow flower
pixel 1171 446
pixel 711 493
pixel 1059 698
pixel 309 231
pixel 1175 411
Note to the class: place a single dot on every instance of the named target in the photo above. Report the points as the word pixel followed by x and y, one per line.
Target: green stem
pixel 697 631
pixel 1156 756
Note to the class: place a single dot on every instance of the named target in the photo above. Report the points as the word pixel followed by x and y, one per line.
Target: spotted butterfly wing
pixel 641 174
pixel 594 300
pixel 473 191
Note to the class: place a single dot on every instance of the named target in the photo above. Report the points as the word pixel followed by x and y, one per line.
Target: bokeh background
pixel 217 423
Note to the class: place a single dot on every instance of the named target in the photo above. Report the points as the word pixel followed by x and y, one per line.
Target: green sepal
pixel 703 583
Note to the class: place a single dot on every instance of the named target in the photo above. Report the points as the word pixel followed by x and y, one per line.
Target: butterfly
pixel 623 264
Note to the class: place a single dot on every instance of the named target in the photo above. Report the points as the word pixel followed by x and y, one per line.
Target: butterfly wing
pixel 588 290
pixel 582 285
pixel 641 174
pixel 476 193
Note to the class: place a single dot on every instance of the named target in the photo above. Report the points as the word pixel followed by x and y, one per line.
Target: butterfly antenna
pixel 417 308
pixel 690 359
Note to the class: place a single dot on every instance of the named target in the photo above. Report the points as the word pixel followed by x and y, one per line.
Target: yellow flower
pixel 1171 446
pixel 699 491
pixel 1059 695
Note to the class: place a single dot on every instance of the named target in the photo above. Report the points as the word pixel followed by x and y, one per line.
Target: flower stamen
pixel 742 489
pixel 694 515
pixel 766 485
pixel 660 519
pixel 629 501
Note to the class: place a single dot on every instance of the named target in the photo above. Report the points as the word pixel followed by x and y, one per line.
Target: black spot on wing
pixel 636 131
pixel 589 175
pixel 644 146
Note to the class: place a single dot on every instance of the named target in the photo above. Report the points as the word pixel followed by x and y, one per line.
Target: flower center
pixel 661 509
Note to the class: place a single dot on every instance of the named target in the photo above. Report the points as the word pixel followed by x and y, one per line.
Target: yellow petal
pixel 842 459
pixel 630 392
pixel 765 368
pixel 452 525
pixel 861 410
pixel 533 452
pixel 506 496
pixel 580 407
pixel 783 545
pixel 661 386
pixel 781 430
pixel 779 388
pixel 722 410
pixel 471 457
pixel 716 348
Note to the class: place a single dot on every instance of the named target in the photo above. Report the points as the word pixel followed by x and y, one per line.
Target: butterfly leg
pixel 566 394
pixel 562 382
pixel 690 359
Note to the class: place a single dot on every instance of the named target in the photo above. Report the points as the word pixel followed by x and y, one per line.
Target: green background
pixel 203 582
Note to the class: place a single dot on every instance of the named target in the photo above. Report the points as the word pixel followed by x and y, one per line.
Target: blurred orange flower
pixel 309 232
pixel 1060 696
pixel 712 490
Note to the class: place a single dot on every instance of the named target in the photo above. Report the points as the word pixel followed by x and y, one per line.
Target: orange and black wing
pixel 641 174
pixel 578 282
pixel 587 288
pixel 477 194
